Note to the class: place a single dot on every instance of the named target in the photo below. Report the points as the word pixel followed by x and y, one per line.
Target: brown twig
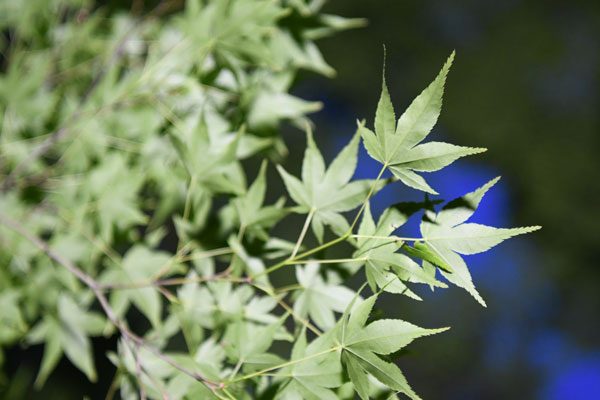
pixel 96 288
pixel 222 276
pixel 138 372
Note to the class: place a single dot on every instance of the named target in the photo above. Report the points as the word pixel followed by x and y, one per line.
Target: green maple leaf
pixel 67 334
pixel 115 195
pixel 209 159
pixel 253 216
pixel 362 343
pixel 384 267
pixel 446 236
pixel 247 342
pixel 12 323
pixel 140 266
pixel 327 193
pixel 319 299
pixel 310 377
pixel 397 146
pixel 244 261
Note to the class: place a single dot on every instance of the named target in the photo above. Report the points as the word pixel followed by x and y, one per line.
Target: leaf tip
pixel 263 166
pixel 451 58
pixel 280 169
pixel 446 67
pixel 533 228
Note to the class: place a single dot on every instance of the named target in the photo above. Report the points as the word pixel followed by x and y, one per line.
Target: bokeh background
pixel 526 85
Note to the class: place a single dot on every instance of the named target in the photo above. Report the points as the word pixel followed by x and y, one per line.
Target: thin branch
pixel 171 282
pixel 138 372
pixel 303 232
pixel 294 259
pixel 364 204
pixel 283 365
pixel 328 261
pixel 390 238
pixel 100 296
pixel 300 256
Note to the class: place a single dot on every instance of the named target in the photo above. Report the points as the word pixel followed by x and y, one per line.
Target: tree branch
pixel 96 288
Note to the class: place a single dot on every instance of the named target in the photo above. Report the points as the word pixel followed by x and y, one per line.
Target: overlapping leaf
pixel 207 160
pixel 247 344
pixel 384 266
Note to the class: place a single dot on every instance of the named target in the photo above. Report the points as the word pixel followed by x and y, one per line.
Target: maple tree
pixel 125 197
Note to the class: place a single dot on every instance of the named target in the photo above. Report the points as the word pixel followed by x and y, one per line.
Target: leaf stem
pixel 294 259
pixel 329 261
pixel 221 251
pixel 303 232
pixel 283 365
pixel 171 282
pixel 229 395
pixel 364 204
pixel 289 309
pixel 390 238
